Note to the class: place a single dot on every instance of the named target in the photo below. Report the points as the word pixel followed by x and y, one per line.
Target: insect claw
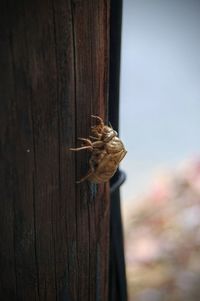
pixel 80 181
pixel 110 125
pixel 81 139
pixel 98 118
pixel 85 141
pixel 85 177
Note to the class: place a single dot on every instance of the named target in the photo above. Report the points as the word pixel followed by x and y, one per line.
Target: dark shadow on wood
pixel 117 278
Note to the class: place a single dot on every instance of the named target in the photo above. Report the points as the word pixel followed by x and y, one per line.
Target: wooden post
pixel 53 75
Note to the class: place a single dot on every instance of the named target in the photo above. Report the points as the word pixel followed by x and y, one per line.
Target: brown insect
pixel 107 150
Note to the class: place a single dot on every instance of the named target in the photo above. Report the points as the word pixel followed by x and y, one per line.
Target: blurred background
pixel 160 125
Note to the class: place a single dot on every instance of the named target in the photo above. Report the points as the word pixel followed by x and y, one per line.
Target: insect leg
pixel 98 144
pixel 89 174
pixel 81 148
pixel 86 141
pixel 85 177
pixel 95 138
pixel 98 118
pixel 110 125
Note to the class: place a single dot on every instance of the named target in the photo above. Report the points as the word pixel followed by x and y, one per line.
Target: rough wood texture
pixel 53 76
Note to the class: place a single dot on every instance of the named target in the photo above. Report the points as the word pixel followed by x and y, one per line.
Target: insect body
pixel 107 150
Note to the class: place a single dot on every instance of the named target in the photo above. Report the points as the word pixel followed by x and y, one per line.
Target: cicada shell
pixel 107 151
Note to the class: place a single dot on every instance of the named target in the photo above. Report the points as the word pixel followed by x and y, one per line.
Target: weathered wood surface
pixel 53 76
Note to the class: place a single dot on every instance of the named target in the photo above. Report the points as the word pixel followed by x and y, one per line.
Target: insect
pixel 107 150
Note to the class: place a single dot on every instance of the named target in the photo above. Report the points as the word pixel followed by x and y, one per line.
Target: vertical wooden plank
pixel 18 213
pixel 44 110
pixel 7 241
pixel 55 233
pixel 65 213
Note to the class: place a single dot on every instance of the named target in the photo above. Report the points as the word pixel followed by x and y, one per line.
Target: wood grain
pixel 54 75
